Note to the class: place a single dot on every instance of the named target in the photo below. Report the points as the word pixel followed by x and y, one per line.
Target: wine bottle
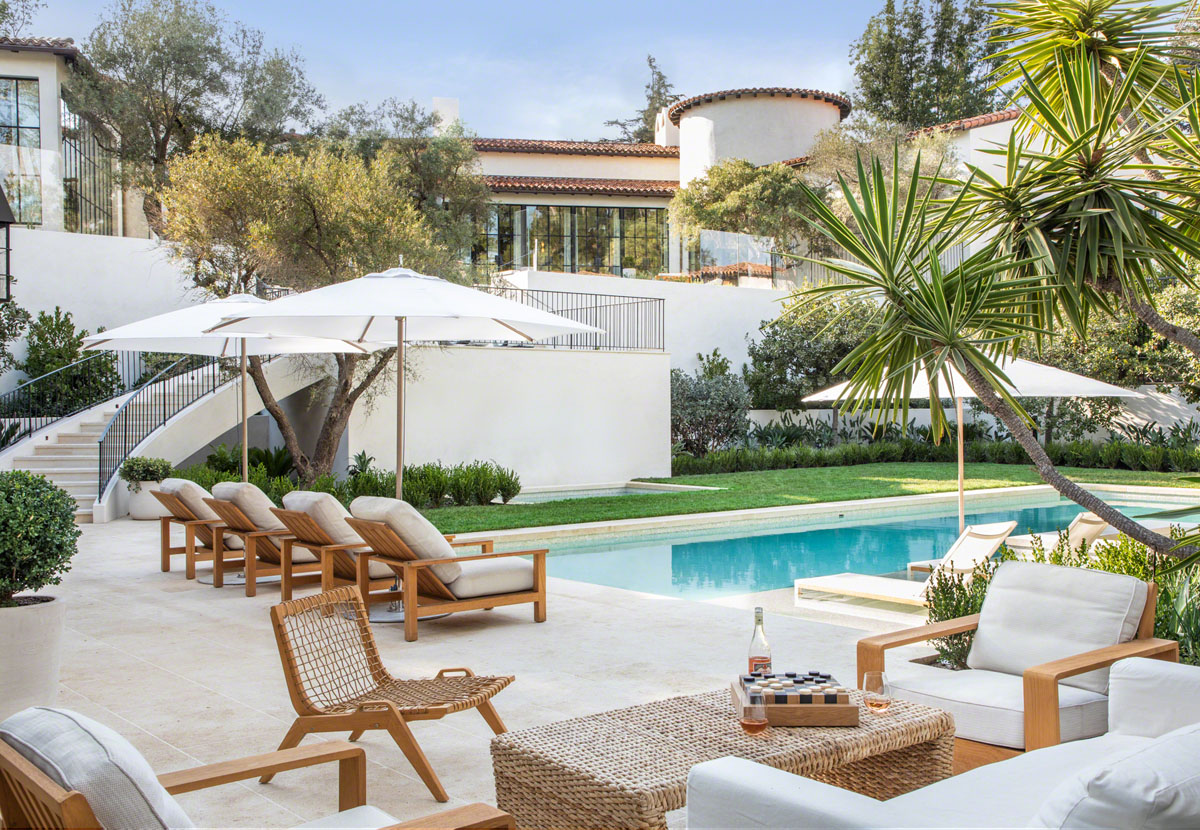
pixel 760 649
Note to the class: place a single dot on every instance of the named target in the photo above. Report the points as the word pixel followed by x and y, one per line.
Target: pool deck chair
pixel 246 513
pixel 338 682
pixel 976 542
pixel 433 579
pixel 1085 528
pixel 184 500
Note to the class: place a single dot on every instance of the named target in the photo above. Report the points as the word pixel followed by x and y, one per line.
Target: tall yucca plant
pixel 971 316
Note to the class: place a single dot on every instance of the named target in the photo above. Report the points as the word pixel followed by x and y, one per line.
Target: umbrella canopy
pixel 398 306
pixel 1026 380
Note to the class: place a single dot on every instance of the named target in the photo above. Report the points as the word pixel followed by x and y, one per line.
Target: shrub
pixel 459 486
pixel 1110 455
pixel 137 469
pixel 225 459
pixel 508 483
pixel 38 534
pixel 708 413
pixel 278 462
pixel 951 595
pixel 204 475
pixel 53 343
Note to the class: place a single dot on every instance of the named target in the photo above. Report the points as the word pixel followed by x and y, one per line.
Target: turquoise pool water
pixel 716 563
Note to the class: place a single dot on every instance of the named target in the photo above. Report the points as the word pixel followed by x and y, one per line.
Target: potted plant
pixel 139 474
pixel 37 540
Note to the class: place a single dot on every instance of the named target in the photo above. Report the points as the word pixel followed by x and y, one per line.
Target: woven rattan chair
pixel 338 683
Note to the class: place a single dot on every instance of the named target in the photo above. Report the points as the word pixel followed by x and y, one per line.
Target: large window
pixel 87 178
pixel 586 240
pixel 20 148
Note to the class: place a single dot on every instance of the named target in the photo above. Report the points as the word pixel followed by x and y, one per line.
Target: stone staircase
pixel 71 459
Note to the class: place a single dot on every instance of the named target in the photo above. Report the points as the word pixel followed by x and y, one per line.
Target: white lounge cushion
pixel 422 538
pixel 331 517
pixel 358 818
pixel 989 706
pixel 1156 785
pixel 80 754
pixel 1152 697
pixel 486 577
pixel 193 495
pixel 1035 613
pixel 257 506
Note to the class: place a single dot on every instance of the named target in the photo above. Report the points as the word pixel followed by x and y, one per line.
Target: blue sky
pixel 540 70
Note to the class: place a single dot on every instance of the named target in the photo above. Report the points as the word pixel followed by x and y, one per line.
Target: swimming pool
pixel 724 561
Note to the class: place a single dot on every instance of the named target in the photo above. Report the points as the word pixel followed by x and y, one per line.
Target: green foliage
pixel 951 595
pixel 659 93
pixel 14 320
pixel 225 459
pixel 708 413
pixel 508 483
pixel 924 63
pixel 795 355
pixel 277 461
pixel 361 462
pixel 37 533
pixel 53 343
pixel 136 469
pixel 714 365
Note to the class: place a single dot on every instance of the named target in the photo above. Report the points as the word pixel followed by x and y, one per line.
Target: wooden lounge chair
pixel 246 513
pixel 976 542
pixel 338 683
pixel 1038 660
pixel 31 798
pixel 317 523
pixel 433 579
pixel 184 500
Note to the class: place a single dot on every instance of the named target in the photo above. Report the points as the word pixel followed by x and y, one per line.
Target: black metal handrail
pixel 626 323
pixel 158 400
pixel 40 402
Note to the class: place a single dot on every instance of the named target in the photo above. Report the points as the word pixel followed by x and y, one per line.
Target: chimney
pixel 446 109
pixel 666 134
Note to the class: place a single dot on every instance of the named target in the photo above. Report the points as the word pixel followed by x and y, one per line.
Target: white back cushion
pixel 193 495
pixel 80 754
pixel 1148 698
pixel 250 500
pixel 327 512
pixel 425 540
pixel 1156 785
pixel 1034 613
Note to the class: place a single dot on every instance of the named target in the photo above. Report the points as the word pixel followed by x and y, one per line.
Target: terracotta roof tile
pixel 677 109
pixel 56 45
pixel 578 148
pixel 998 117
pixel 586 187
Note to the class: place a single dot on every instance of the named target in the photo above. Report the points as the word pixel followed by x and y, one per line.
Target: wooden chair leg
pixel 356 734
pixel 327 583
pixel 539 584
pixel 407 742
pixel 362 572
pixel 492 717
pixel 409 596
pixel 218 559
pixel 189 551
pixel 294 736
pixel 285 570
pixel 251 566
pixel 164 525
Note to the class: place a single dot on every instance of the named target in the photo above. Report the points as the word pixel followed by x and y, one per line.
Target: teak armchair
pixel 1040 682
pixel 264 551
pixel 197 534
pixel 338 683
pixel 31 799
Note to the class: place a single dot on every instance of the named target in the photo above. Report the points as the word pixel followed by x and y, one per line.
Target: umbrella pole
pixel 400 407
pixel 962 503
pixel 245 428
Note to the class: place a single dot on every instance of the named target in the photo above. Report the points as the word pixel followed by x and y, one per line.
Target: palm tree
pixel 970 316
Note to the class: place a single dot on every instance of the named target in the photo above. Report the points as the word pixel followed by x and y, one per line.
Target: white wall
pixel 556 416
pixel 699 317
pixel 579 166
pixel 49 71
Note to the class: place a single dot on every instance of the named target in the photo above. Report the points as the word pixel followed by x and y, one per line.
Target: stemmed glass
pixel 877 692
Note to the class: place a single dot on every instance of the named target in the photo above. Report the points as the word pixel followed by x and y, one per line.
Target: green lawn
pixel 772 488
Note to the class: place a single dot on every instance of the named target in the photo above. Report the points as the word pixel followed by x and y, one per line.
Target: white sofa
pixel 1143 773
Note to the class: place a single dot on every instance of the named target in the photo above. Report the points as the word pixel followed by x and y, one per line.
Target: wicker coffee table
pixel 627 768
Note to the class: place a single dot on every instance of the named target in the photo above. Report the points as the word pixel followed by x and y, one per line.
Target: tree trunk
pixel 1048 423
pixel 1021 432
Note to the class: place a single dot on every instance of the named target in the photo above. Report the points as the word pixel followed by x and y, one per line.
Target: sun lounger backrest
pixel 384 542
pixel 266 548
pixel 190 496
pixel 1085 528
pixel 320 519
pixel 251 501
pixel 978 543
pixel 417 532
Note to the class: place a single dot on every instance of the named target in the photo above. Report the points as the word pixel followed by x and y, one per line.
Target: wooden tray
pixel 800 714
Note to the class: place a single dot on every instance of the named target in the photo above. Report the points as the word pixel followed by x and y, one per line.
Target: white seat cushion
pixel 1150 698
pixel 80 754
pixel 252 501
pixel 990 706
pixel 331 517
pixel 193 495
pixel 1156 785
pixel 486 577
pixel 1035 613
pixel 358 818
pixel 422 538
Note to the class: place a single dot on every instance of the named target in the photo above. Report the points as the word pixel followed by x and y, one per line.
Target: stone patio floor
pixel 191 675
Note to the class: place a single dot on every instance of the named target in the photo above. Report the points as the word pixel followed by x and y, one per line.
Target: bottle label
pixel 760 664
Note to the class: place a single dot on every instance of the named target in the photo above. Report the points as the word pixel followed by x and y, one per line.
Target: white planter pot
pixel 142 505
pixel 30 654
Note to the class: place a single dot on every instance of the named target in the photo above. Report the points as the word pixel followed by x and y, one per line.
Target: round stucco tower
pixel 761 125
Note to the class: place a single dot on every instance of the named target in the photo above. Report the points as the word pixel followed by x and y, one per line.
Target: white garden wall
pixel 556 416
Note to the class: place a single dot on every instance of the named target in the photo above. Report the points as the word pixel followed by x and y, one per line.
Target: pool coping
pixel 836 509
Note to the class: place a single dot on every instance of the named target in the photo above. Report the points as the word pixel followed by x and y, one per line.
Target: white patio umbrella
pixel 398 306
pixel 1027 380
pixel 184 332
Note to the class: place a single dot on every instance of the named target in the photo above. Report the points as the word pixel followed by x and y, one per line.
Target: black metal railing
pixel 161 397
pixel 625 323
pixel 101 376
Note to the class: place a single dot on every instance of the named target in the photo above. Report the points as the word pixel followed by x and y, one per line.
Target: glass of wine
pixel 754 716
pixel 877 693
